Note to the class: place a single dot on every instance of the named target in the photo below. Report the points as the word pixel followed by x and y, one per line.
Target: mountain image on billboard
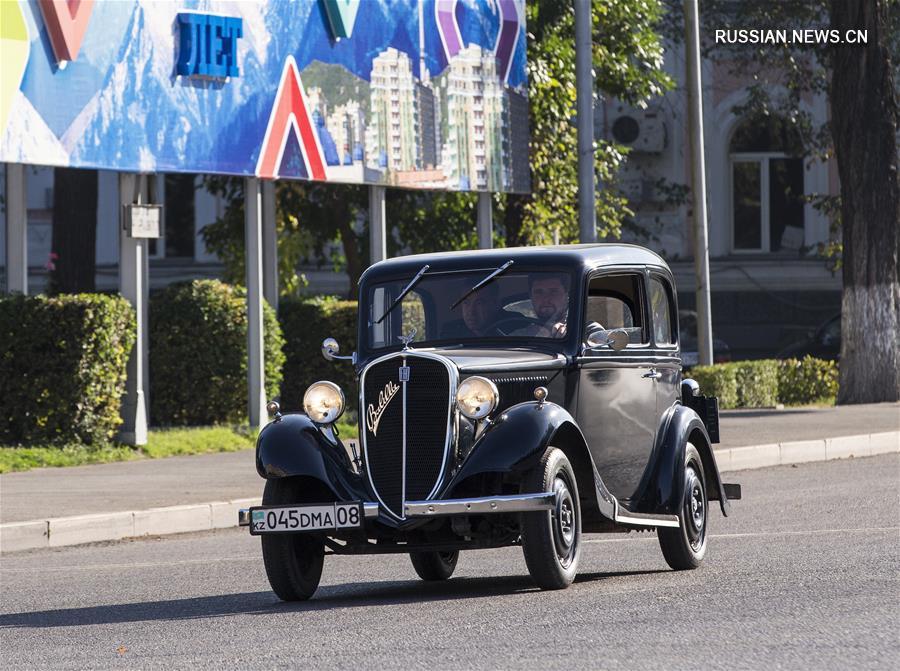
pixel 428 94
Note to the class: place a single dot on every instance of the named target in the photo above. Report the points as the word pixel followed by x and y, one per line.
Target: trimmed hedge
pixel 63 365
pixel 198 354
pixel 306 323
pixel 757 383
pixel 807 381
pixel 763 383
pixel 718 380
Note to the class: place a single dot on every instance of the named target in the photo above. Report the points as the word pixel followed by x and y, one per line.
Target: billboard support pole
pixel 698 182
pixel 584 84
pixel 269 244
pixel 485 220
pixel 16 230
pixel 377 234
pixel 133 274
pixel 256 399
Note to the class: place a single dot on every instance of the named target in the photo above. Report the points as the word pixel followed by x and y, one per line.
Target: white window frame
pixel 761 158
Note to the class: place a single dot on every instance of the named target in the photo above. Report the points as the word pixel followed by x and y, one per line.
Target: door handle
pixel 653 374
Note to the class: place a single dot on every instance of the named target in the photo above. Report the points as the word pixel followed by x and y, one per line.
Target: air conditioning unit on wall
pixel 642 130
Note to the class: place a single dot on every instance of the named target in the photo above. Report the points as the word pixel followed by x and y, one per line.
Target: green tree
pixel 860 82
pixel 628 60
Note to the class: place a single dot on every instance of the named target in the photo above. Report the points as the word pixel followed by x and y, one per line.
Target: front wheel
pixel 433 566
pixel 293 561
pixel 551 540
pixel 685 547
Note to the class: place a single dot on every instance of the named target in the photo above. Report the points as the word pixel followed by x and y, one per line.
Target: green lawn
pixel 160 443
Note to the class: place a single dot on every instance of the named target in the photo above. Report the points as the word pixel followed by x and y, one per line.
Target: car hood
pixel 479 360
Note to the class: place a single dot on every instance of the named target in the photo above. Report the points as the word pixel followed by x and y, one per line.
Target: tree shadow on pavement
pixel 350 595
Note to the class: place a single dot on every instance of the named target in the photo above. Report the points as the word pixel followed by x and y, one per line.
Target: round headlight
pixel 477 397
pixel 323 402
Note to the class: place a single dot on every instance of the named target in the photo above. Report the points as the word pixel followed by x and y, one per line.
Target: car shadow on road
pixel 348 595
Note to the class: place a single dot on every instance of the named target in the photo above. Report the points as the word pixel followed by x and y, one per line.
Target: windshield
pixel 516 304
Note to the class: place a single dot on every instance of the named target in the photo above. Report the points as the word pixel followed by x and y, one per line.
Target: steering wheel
pixel 519 321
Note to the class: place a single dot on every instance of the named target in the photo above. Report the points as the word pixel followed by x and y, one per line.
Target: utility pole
pixel 698 180
pixel 584 83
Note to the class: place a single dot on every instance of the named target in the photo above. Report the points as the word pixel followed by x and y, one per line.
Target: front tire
pixel 685 547
pixel 551 540
pixel 293 561
pixel 434 566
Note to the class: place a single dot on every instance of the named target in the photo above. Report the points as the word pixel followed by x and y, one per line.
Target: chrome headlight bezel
pixel 477 397
pixel 312 405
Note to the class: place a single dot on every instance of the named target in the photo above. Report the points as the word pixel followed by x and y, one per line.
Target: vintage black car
pixel 506 397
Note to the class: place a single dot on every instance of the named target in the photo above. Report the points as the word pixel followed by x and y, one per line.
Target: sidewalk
pixel 202 492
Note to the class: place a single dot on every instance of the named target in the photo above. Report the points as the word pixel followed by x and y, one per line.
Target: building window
pixel 766 187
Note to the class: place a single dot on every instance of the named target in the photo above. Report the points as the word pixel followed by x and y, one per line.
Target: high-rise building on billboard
pixel 474 104
pixel 391 134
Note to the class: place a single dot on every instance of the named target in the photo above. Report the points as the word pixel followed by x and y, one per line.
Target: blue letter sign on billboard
pixel 421 94
pixel 207 45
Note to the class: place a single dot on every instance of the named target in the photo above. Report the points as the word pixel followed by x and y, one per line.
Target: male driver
pixel 550 300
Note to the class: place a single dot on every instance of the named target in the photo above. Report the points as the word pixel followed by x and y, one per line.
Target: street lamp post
pixel 584 83
pixel 698 179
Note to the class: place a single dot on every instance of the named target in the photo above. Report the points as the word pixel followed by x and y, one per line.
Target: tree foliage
pixel 628 60
pixel 860 82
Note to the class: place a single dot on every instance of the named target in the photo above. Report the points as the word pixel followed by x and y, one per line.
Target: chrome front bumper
pixel 521 503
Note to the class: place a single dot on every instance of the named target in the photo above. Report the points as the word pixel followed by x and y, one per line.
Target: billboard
pixel 411 93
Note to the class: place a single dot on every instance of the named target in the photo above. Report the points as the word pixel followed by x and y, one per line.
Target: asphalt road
pixel 805 574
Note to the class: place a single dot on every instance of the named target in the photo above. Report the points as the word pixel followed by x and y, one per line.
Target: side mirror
pixel 616 339
pixel 330 349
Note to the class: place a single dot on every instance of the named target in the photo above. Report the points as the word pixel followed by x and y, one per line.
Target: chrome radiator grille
pixel 406 426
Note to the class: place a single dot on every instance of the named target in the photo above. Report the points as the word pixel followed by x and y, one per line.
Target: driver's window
pixel 614 302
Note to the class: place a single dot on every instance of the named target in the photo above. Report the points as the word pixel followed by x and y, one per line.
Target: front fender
pixel 294 446
pixel 662 489
pixel 517 440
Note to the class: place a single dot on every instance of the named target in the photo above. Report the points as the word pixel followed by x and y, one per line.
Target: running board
pixel 623 516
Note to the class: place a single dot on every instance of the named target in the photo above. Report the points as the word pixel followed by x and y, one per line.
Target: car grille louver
pixel 424 403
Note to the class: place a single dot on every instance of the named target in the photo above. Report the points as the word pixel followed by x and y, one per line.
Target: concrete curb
pixel 62 531
pixel 804 451
pixel 80 529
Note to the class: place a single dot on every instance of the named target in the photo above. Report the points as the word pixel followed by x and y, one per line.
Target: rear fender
pixel 516 441
pixel 662 488
pixel 294 446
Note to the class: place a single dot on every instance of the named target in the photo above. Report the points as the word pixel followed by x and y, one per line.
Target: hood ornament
pixel 408 338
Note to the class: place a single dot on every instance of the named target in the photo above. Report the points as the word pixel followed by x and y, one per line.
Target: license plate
pixel 313 517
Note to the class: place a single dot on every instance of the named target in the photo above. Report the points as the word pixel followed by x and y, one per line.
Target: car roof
pixel 585 257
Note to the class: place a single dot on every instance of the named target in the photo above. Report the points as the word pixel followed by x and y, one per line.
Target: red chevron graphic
pixel 291 110
pixel 66 22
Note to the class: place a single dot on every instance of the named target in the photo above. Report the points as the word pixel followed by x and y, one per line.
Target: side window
pixel 662 313
pixel 614 302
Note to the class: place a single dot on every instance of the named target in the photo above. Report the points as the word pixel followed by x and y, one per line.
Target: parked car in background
pixel 690 352
pixel 506 397
pixel 823 342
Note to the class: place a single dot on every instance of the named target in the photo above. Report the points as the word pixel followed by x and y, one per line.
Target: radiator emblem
pixel 373 414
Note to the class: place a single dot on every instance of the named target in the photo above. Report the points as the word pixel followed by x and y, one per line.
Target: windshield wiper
pixel 487 279
pixel 405 291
